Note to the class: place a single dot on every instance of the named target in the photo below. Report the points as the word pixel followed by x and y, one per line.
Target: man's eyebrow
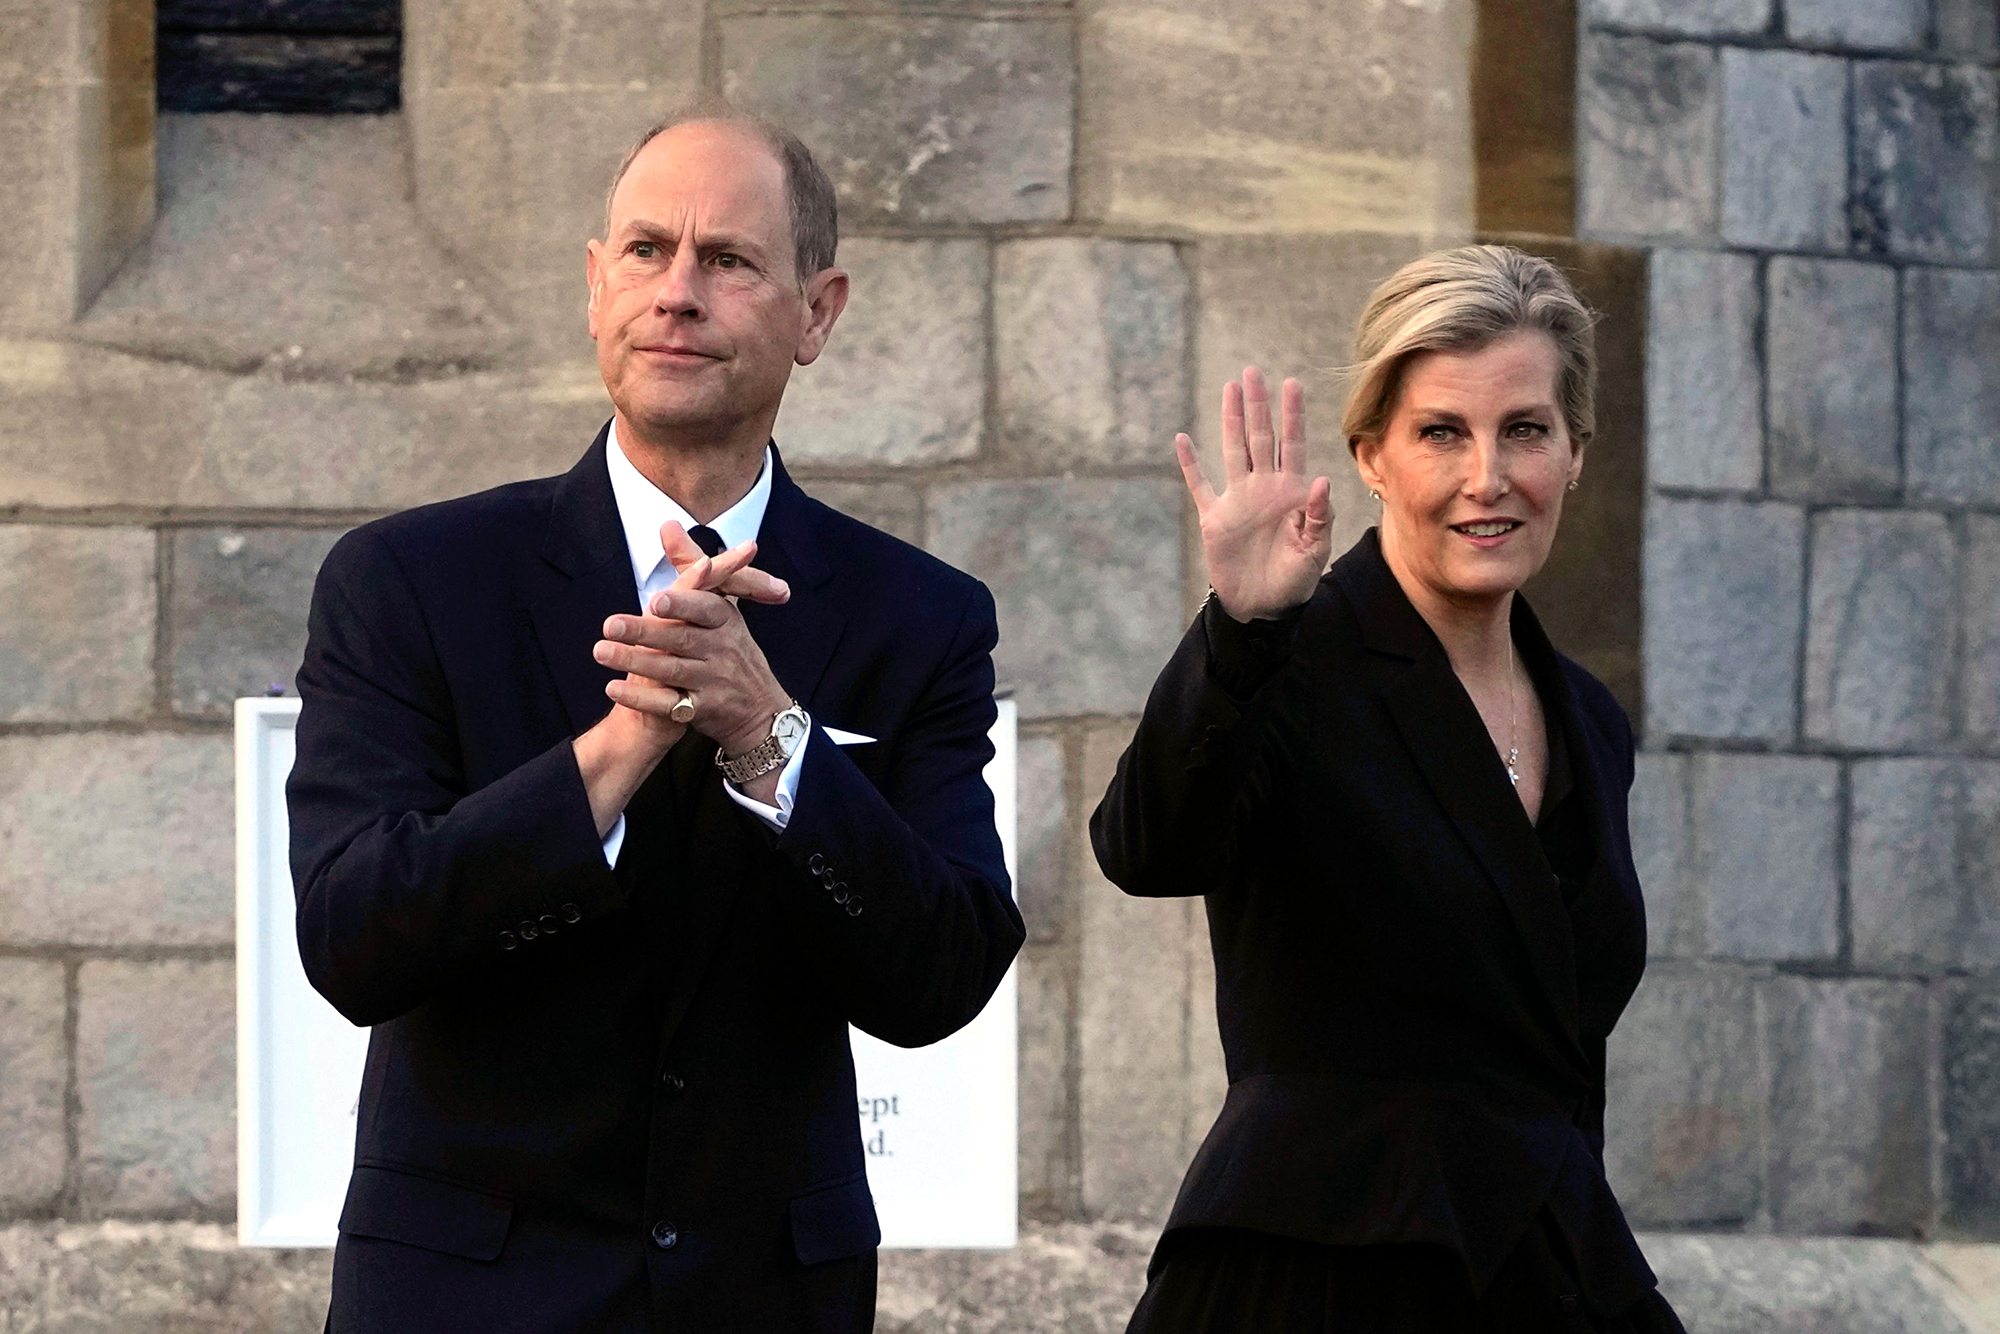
pixel 644 230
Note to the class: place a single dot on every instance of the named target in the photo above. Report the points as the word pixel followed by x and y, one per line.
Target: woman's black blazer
pixel 1413 1017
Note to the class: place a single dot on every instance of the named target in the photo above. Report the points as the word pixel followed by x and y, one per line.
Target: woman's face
pixel 1472 468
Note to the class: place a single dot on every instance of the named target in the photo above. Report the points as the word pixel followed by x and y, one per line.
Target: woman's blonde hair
pixel 1460 301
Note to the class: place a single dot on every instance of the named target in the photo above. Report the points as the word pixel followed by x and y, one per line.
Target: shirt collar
pixel 643 507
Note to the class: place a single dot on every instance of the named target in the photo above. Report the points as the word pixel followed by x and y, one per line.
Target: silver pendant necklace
pixel 1513 734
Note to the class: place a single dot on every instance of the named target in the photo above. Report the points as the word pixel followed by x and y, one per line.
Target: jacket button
pixel 549 924
pixel 854 906
pixel 665 1237
pixel 840 892
pixel 827 878
pixel 672 1082
pixel 526 931
pixel 507 940
pixel 572 914
pixel 815 863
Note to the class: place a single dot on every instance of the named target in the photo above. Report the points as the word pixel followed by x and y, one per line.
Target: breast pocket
pixel 394 1205
pixel 835 1221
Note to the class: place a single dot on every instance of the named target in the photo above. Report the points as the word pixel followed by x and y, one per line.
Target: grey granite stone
pixel 1695 18
pixel 1080 1278
pixel 1971 1093
pixel 1881 629
pixel 903 379
pixel 1830 348
pixel 1676 900
pixel 34 1074
pixel 1924 864
pixel 1091 351
pixel 238 611
pixel 1132 1029
pixel 1850 1105
pixel 116 840
pixel 76 623
pixel 1042 876
pixel 1683 1100
pixel 1926 141
pixel 1649 117
pixel 156 1080
pixel 1979 582
pixel 1722 617
pixel 1087 575
pixel 1766 837
pixel 1820 1285
pixel 1704 425
pixel 1877 24
pixel 1969 28
pixel 1951 398
pixel 1047 1148
pixel 1784 150
pixel 918 119
pixel 555 43
pixel 894 507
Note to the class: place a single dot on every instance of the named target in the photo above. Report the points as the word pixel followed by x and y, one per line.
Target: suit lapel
pixel 590 579
pixel 1448 741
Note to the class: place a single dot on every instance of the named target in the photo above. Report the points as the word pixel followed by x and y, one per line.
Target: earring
pixel 1376 496
pixel 1572 483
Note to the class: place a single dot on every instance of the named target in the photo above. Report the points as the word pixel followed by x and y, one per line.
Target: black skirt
pixel 1227 1281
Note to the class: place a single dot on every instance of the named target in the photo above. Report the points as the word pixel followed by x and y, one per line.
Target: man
pixel 610 839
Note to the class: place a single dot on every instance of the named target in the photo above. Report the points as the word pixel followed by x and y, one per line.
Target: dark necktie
pixel 707 539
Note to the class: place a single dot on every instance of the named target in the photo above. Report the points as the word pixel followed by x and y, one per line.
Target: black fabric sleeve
pixel 1244 655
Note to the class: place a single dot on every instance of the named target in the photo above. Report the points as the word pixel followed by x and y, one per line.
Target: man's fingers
pixel 756 585
pixel 651 663
pixel 1292 427
pixel 1235 460
pixel 1191 473
pixel 696 607
pixel 1259 440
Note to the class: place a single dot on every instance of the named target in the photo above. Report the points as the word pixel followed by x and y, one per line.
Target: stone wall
pixel 1819 805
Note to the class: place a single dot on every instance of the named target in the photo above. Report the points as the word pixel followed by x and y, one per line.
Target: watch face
pixel 789 728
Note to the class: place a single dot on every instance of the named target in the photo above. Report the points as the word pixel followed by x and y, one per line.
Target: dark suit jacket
pixel 600 1100
pixel 1414 1022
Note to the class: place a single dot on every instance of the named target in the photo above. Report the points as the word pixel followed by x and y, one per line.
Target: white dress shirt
pixel 642 508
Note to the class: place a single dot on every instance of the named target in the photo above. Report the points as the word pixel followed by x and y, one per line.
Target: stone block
pixel 1684 1100
pixel 1694 18
pixel 76 623
pixel 116 840
pixel 1874 24
pixel 1704 423
pixel 562 44
pixel 1924 865
pixel 1047 1156
pixel 1951 398
pixel 1080 1278
pixel 1091 351
pixel 1676 900
pixel 1784 150
pixel 35 1060
pixel 1766 840
pixel 1087 574
pixel 1882 629
pixel 1265 117
pixel 1830 367
pixel 1650 118
pixel 893 507
pixel 1979 581
pixel 918 119
pixel 1850 1105
pixel 1722 618
pixel 116 1277
pixel 1969 28
pixel 1723 1284
pixel 903 379
pixel 156 1081
pixel 1971 1111
pixel 1132 1030
pixel 1289 305
pixel 238 612
pixel 1926 141
pixel 1042 876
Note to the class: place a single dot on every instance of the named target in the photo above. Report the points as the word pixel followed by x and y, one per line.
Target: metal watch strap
pixel 760 759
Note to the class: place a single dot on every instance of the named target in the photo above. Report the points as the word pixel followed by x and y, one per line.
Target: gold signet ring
pixel 683 710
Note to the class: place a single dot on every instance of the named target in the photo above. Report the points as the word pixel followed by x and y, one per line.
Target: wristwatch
pixel 788 732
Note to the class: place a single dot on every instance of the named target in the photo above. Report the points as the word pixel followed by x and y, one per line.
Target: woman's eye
pixel 1436 435
pixel 1527 430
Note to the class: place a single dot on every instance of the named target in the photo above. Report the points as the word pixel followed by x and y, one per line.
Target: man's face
pixel 695 302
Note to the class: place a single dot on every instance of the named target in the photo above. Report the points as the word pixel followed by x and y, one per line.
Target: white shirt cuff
pixel 778 816
pixel 613 841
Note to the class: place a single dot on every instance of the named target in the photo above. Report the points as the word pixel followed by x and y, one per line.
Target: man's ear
pixel 593 259
pixel 826 297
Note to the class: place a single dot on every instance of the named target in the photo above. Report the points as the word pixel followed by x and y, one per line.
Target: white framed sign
pixel 939 1123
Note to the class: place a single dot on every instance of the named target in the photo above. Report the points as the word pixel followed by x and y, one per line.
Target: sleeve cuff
pixel 1244 655
pixel 776 817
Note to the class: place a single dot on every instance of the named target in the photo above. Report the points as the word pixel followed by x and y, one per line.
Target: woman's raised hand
pixel 1268 534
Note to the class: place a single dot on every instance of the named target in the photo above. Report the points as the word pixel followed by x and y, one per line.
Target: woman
pixel 1406 811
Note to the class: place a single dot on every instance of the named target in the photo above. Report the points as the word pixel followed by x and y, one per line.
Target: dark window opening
pixel 318 56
